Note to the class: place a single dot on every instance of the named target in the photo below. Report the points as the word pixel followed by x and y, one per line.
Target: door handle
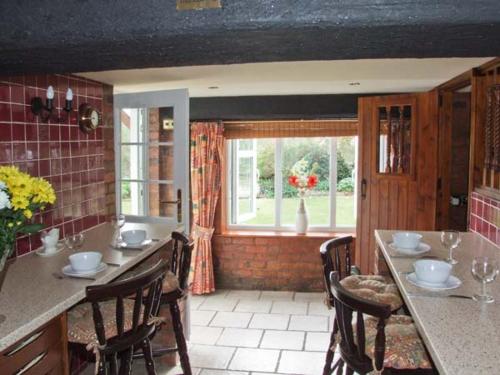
pixel 178 202
pixel 363 188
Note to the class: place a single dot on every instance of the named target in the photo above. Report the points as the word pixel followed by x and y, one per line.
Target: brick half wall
pixel 269 262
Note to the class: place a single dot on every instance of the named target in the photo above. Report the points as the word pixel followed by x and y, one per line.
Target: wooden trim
pixel 488 192
pixel 456 83
pixel 254 233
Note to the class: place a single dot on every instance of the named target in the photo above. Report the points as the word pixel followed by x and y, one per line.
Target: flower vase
pixel 301 221
pixel 4 265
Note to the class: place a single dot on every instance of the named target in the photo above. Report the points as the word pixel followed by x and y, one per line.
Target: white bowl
pixel 432 271
pixel 406 240
pixel 85 261
pixel 134 237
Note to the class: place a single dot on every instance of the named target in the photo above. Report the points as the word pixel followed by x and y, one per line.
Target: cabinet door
pixel 397 167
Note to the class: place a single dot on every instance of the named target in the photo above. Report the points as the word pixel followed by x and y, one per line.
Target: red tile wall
pixel 56 150
pixel 485 217
pixel 269 262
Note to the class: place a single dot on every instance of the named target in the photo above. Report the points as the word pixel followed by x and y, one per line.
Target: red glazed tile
pixel 19 151
pixel 44 166
pixel 5 112
pixel 65 150
pixel 30 81
pixel 65 133
pixel 31 150
pixel 31 132
pixel 4 92
pixel 5 132
pixel 18 132
pixel 6 154
pixel 43 132
pixel 55 149
pixel 23 246
pixel 18 114
pixel 17 94
pixel 54 133
pixel 44 150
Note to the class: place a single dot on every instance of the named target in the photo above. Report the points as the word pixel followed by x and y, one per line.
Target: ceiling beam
pixel 47 36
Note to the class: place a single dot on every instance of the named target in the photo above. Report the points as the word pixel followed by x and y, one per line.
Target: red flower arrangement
pixel 303 183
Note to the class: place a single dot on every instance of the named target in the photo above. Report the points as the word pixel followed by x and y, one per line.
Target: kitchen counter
pixel 31 295
pixel 461 335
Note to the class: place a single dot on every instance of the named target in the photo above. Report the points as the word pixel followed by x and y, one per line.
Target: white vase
pixel 301 221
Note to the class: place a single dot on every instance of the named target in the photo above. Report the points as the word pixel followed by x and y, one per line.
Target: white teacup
pixel 406 240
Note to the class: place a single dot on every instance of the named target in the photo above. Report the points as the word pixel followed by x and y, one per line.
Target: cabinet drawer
pixel 37 353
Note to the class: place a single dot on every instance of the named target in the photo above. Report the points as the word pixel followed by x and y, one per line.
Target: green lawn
pixel 317 210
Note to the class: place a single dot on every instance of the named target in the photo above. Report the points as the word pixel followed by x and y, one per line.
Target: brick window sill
pixel 254 233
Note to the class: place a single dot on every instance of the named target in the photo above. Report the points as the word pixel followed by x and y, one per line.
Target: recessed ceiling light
pixel 213 87
pixel 354 83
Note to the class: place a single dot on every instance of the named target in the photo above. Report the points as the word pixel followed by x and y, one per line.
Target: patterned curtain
pixel 206 153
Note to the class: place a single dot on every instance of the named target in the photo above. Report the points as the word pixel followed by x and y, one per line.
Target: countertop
pixel 461 335
pixel 31 296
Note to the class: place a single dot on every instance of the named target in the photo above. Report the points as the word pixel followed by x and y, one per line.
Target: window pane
pixel 132 124
pixel 345 215
pixel 245 187
pixel 132 162
pixel 245 144
pixel 304 157
pixel 131 196
pixel 159 195
pixel 161 162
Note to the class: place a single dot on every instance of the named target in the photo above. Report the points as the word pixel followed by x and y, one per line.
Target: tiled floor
pixel 256 333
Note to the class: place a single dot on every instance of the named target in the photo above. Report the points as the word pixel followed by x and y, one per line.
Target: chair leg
pixel 340 369
pixel 349 371
pixel 327 369
pixel 148 357
pixel 102 369
pixel 179 338
pixel 126 362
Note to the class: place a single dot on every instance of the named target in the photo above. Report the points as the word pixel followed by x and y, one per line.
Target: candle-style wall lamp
pixel 45 110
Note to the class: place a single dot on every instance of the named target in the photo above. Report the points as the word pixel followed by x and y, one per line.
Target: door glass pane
pixel 132 162
pixel 303 157
pixel 161 124
pixel 132 122
pixel 132 202
pixel 161 162
pixel 345 214
pixel 245 187
pixel 159 196
pixel 394 139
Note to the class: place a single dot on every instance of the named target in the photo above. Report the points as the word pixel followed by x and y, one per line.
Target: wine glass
pixel 484 270
pixel 118 221
pixel 450 239
pixel 74 241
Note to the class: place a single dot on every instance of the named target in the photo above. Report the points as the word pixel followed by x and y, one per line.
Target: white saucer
pixel 41 252
pixel 135 246
pixel 422 248
pixel 452 283
pixel 69 271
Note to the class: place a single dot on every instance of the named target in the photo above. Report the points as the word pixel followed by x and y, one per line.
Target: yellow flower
pixel 19 223
pixel 10 225
pixel 28 214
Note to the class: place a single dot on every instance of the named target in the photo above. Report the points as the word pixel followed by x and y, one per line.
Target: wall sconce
pixel 38 108
pixel 69 101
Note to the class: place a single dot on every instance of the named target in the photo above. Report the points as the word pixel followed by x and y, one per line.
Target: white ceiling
pixel 288 78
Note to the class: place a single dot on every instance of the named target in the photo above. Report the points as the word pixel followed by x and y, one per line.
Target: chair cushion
pixel 170 282
pixel 374 288
pixel 403 347
pixel 81 327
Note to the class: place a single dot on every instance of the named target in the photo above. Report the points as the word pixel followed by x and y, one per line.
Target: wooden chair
pixel 377 341
pixel 336 256
pixel 114 326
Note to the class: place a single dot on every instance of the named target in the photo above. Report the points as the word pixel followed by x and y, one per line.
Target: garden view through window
pixel 259 192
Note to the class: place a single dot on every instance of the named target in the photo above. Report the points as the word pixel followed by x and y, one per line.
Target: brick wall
pixel 485 217
pixel 77 164
pixel 282 262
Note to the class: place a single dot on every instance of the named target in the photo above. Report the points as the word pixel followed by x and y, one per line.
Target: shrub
pixel 266 186
pixel 346 185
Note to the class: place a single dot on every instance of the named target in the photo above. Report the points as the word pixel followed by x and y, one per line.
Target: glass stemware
pixel 450 239
pixel 118 221
pixel 74 241
pixel 484 270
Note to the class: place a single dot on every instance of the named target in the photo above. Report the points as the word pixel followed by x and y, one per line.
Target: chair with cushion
pixel 336 256
pixel 372 340
pixel 113 326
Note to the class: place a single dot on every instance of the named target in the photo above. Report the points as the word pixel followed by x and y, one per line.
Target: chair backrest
pixel 182 249
pixel 352 344
pixel 333 260
pixel 145 288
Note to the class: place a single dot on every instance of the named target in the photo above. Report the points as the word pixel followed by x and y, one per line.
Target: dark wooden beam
pixel 74 35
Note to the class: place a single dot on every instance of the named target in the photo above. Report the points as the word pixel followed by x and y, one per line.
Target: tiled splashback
pixel 58 150
pixel 485 217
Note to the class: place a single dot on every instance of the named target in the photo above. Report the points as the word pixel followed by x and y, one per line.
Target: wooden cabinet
pixel 42 352
pixel 397 168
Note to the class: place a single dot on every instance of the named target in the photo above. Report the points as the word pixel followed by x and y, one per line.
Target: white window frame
pixel 278 191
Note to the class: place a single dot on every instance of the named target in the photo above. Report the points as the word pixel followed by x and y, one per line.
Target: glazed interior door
pixel 397 168
pixel 151 149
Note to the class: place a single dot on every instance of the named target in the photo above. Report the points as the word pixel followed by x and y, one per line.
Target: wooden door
pixel 397 167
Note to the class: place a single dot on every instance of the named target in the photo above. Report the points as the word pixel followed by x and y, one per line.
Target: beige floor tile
pixel 247 338
pixel 292 340
pixel 304 363
pixel 256 306
pixel 231 319
pixel 201 318
pixel 244 294
pixel 319 308
pixel 308 323
pixel 209 356
pixel 269 321
pixel 287 307
pixel 277 296
pixel 222 372
pixel 309 297
pixel 255 360
pixel 205 335
pixel 196 301
pixel 317 341
pixel 218 303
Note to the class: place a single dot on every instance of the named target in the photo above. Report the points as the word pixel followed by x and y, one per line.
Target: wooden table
pixel 461 335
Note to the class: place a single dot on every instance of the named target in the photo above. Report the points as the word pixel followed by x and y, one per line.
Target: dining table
pixel 461 335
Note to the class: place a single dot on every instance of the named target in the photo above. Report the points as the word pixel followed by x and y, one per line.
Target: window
pixel 146 162
pixel 259 195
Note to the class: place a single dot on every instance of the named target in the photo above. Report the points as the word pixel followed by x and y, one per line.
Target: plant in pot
pixel 21 196
pixel 303 182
